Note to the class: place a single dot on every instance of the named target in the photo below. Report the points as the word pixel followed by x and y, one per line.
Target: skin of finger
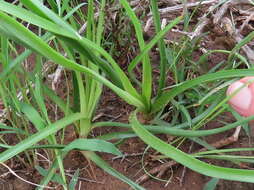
pixel 247 79
pixel 236 101
pixel 251 87
pixel 250 111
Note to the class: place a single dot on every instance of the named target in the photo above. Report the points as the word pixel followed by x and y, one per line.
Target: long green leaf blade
pixel 92 145
pixel 168 95
pixel 147 69
pixel 188 160
pixel 35 43
pixel 50 129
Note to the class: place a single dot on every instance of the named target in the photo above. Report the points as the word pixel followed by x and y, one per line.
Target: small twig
pixel 84 179
pixel 140 170
pixel 22 179
pixel 80 185
pixel 155 170
pixel 14 2
pixel 148 24
pixel 181 32
pixel 124 156
pixel 234 34
pixel 184 168
pixel 170 178
pixel 246 21
pixel 57 75
pixel 134 3
pixel 220 13
pixel 45 159
pixel 71 170
pixel 169 3
pixel 199 29
pixel 7 173
pixel 189 5
pixel 92 169
pixel 83 27
pixel 163 23
pixel 113 118
pixel 246 49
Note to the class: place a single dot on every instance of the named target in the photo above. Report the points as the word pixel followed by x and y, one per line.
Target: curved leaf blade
pixel 188 160
pixel 45 132
pixel 92 145
pixel 26 37
pixel 168 95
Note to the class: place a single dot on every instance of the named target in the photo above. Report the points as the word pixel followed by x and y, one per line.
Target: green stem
pixel 161 45
pixel 85 127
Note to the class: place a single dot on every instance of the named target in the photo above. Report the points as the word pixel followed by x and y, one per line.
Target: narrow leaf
pixel 188 160
pixel 92 145
pixel 49 130
pixel 211 185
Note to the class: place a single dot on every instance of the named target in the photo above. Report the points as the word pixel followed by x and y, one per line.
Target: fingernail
pixel 241 99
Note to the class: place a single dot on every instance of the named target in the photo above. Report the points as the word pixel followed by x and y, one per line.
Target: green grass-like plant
pixel 92 67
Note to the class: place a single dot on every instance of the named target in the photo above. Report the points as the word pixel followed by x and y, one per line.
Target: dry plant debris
pixel 233 20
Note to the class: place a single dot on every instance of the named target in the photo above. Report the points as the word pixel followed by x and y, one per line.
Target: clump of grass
pixel 91 66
